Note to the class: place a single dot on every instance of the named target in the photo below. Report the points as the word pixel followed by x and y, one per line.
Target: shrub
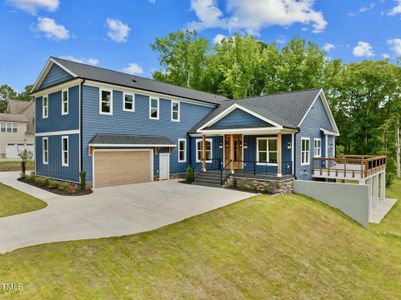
pixel 254 187
pixel 64 186
pixel 82 175
pixel 30 178
pixel 42 181
pixel 242 186
pixel 189 174
pixel 235 183
pixel 266 189
pixel 25 156
pixel 53 184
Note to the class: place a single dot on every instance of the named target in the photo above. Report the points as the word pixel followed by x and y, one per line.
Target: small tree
pixel 189 174
pixel 25 156
pixel 83 180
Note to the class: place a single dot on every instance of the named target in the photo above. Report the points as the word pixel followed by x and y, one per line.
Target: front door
pixel 237 151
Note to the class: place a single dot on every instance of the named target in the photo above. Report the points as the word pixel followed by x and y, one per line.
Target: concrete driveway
pixel 109 211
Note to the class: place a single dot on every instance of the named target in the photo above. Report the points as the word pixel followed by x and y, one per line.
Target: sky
pixel 117 34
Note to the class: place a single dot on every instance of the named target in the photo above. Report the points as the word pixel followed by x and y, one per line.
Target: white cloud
pixel 328 47
pixel 32 6
pixel 395 45
pixel 218 38
pixel 396 9
pixel 133 69
pixel 252 15
pixel 385 56
pixel 83 60
pixel 118 31
pixel 363 49
pixel 52 30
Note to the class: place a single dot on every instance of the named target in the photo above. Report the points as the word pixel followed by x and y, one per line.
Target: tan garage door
pixel 121 167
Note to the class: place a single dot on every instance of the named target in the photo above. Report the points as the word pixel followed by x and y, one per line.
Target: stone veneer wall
pixel 285 186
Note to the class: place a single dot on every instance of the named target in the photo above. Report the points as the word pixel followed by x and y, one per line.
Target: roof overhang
pixel 58 87
pixel 328 132
pixel 246 131
pixel 97 145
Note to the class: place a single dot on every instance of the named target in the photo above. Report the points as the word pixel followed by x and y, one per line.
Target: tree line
pixel 7 93
pixel 365 97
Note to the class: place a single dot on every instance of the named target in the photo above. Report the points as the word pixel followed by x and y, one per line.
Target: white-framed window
pixel 45 150
pixel 129 102
pixel 64 101
pixel 45 107
pixel 3 127
pixel 266 151
pixel 8 127
pixel 106 102
pixel 305 151
pixel 209 150
pixel 175 111
pixel 317 149
pixel 64 151
pixel 154 108
pixel 182 150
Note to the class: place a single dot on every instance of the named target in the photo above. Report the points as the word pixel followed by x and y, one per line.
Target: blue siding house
pixel 121 128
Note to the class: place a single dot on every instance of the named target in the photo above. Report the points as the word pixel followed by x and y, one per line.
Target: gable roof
pixel 18 106
pixel 79 70
pixel 285 109
pixel 13 118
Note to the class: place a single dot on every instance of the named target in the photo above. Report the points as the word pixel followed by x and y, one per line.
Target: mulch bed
pixel 57 191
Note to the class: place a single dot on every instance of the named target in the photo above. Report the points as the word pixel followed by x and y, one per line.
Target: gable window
pixel 266 150
pixel 64 151
pixel 106 102
pixel 154 108
pixel 209 151
pixel 64 102
pixel 45 107
pixel 305 151
pixel 175 111
pixel 45 150
pixel 182 150
pixel 317 149
pixel 129 102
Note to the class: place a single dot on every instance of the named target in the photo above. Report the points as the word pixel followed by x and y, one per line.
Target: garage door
pixel 122 167
pixel 12 150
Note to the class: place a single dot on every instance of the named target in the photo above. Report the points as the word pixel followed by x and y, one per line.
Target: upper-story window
pixel 45 150
pixel 317 150
pixel 106 102
pixel 8 127
pixel 175 111
pixel 64 102
pixel 154 108
pixel 305 151
pixel 266 150
pixel 45 106
pixel 64 151
pixel 129 102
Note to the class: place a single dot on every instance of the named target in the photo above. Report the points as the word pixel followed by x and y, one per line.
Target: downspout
pixel 80 125
pixel 190 150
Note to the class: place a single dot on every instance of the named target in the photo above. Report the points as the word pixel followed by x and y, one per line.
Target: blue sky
pixel 117 34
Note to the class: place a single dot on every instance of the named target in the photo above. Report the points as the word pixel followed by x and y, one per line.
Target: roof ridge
pixel 278 93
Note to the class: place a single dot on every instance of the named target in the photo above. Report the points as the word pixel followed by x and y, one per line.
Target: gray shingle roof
pixel 130 139
pixel 13 118
pixel 137 82
pixel 286 109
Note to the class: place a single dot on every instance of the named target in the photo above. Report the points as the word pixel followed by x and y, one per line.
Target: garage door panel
pixel 122 167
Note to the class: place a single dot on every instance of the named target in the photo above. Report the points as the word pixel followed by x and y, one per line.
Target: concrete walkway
pixel 109 211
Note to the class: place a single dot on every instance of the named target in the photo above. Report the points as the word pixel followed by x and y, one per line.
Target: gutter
pixel 295 153
pixel 81 167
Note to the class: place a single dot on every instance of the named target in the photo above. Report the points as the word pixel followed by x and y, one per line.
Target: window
pixel 45 107
pixel 64 151
pixel 106 102
pixel 64 102
pixel 266 150
pixel 317 149
pixel 175 111
pixel 129 102
pixel 209 152
pixel 305 151
pixel 182 150
pixel 154 109
pixel 45 150
pixel 3 127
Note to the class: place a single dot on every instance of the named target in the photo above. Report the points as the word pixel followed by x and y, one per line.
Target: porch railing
pixel 258 167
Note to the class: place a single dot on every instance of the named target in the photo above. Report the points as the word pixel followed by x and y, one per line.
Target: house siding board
pixel 54 168
pixel 138 123
pixel 55 120
pixel 54 76
pixel 239 117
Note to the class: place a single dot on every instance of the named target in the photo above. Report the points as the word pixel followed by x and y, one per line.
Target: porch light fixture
pixel 245 145
pixel 305 172
pixel 289 145
pixel 221 145
pixel 331 145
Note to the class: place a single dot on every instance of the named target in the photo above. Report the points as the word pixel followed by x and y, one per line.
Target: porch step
pixel 210 178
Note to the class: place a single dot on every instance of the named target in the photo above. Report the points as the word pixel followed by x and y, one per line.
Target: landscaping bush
pixel 254 187
pixel 266 189
pixel 82 175
pixel 235 183
pixel 64 186
pixel 242 186
pixel 189 175
pixel 42 181
pixel 31 177
pixel 53 184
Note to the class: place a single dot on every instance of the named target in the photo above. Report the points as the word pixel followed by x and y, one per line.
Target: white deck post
pixel 369 183
pixel 383 185
pixel 375 191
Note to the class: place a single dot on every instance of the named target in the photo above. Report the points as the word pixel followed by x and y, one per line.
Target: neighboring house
pixel 17 128
pixel 121 128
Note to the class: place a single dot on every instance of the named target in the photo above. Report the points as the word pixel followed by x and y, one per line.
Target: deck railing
pixel 349 166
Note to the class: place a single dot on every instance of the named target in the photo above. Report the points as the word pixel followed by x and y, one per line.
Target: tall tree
pixel 6 93
pixel 25 94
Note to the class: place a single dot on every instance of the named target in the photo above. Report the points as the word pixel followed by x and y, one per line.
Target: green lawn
pixel 263 247
pixel 15 166
pixel 14 202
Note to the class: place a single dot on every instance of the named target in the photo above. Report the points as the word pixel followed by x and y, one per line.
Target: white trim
pixel 292 152
pixel 56 88
pixel 269 130
pixel 314 147
pixel 63 113
pixel 62 151
pixel 327 132
pixel 309 152
pixel 111 102
pixel 267 163
pixel 63 132
pixel 231 109
pixel 326 154
pixel 79 126
pixel 179 111
pixel 133 102
pixel 45 162
pixel 130 145
pixel 210 140
pixel 120 150
pixel 168 168
pixel 45 116
pixel 150 108
pixel 185 150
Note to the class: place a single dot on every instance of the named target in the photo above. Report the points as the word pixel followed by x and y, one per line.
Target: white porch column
pixel 369 184
pixel 383 185
pixel 375 191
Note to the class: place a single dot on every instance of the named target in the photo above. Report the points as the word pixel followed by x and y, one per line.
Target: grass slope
pixel 15 166
pixel 263 247
pixel 14 202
